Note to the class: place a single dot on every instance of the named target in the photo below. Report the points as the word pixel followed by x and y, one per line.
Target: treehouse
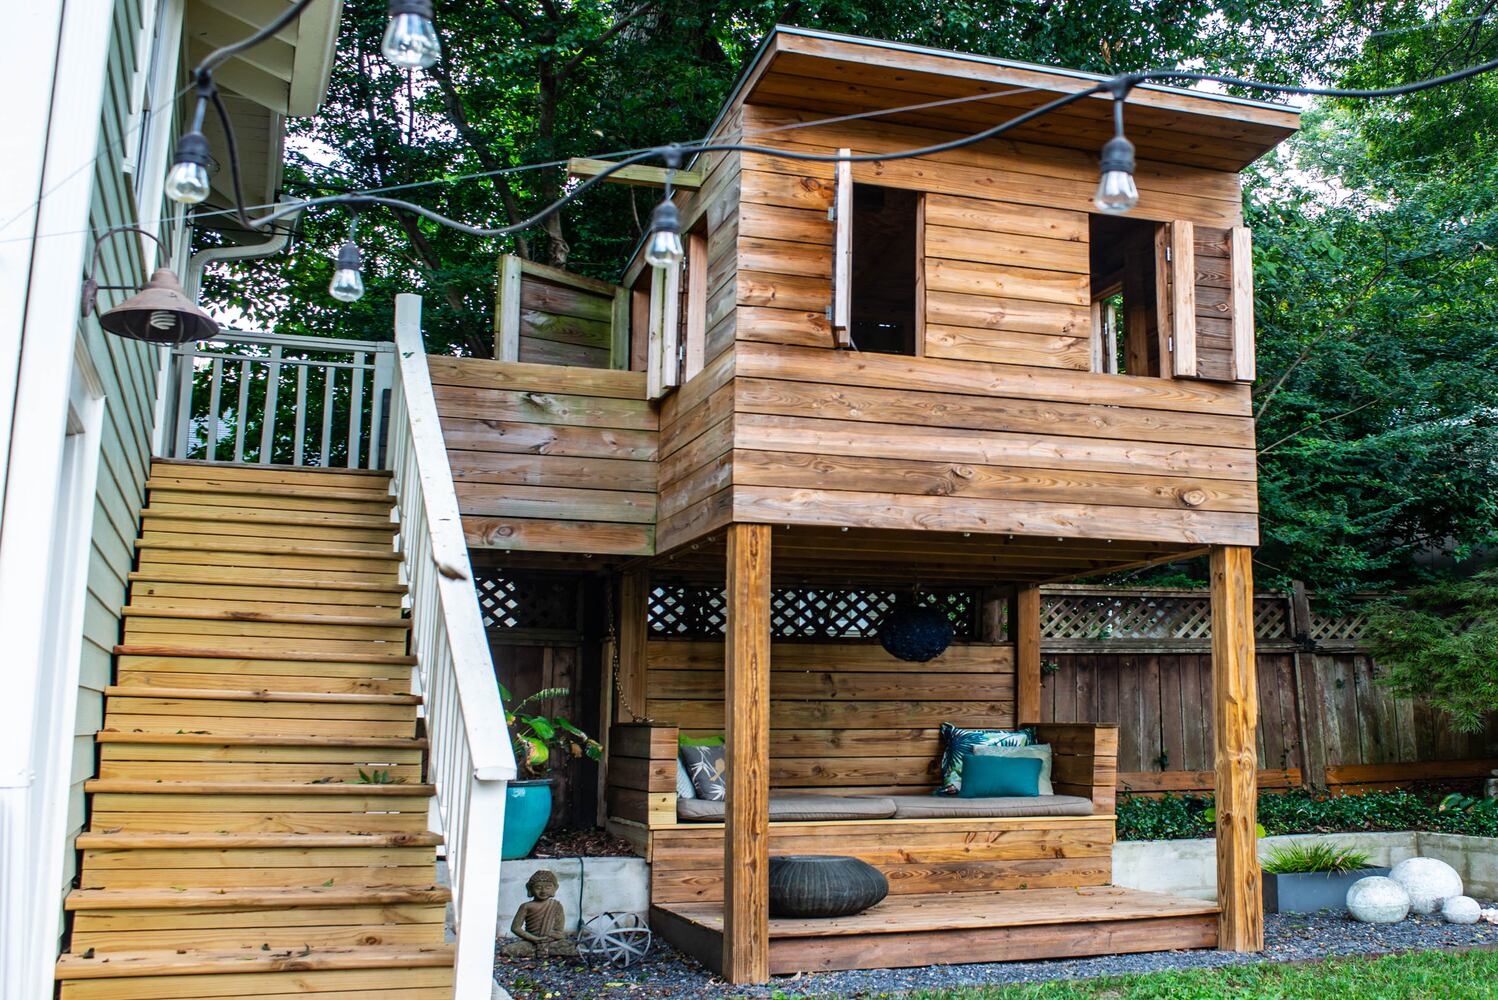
pixel 935 372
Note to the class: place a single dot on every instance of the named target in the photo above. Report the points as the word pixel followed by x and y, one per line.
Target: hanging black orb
pixel 915 633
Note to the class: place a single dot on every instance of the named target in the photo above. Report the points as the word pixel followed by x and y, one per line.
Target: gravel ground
pixel 668 975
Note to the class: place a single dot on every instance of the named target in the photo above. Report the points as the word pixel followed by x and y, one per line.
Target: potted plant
pixel 1304 878
pixel 539 741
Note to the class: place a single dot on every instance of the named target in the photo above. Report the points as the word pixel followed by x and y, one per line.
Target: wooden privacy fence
pixel 1142 658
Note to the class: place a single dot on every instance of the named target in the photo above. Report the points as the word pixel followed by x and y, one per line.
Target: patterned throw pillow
pixel 1040 751
pixel 684 787
pixel 708 767
pixel 957 743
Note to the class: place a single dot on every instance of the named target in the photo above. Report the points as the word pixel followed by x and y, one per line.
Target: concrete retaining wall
pixel 589 885
pixel 1189 867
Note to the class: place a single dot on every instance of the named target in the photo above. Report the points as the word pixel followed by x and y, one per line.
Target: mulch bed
pixel 581 844
pixel 667 975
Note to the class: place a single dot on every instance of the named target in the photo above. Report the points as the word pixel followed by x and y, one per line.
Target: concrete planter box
pixel 1309 892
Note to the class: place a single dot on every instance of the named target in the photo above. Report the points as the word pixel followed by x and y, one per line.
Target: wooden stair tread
pixel 205 739
pixel 217 841
pixel 249 651
pixel 258 899
pixel 216 545
pixel 311 471
pixel 247 487
pixel 263 616
pixel 287 581
pixel 214 694
pixel 311 519
pixel 131 786
pixel 117 965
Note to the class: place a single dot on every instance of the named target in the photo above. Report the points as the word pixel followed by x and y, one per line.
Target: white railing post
pixel 470 761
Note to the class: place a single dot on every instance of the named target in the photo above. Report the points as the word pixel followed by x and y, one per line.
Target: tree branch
pixel 1320 423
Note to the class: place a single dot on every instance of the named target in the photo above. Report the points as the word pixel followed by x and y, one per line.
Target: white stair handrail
pixel 470 757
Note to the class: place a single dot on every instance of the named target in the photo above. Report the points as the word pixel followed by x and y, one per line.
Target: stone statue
pixel 540 926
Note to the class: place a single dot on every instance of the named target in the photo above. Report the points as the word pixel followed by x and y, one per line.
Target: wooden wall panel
pixel 550 458
pixel 843 715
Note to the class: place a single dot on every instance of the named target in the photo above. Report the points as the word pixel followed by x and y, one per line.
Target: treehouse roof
pixel 835 74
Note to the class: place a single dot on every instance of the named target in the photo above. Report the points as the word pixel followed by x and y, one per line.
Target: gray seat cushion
pixel 955 807
pixel 795 808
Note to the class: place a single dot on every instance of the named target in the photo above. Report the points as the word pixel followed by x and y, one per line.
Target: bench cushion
pixel 952 807
pixel 796 808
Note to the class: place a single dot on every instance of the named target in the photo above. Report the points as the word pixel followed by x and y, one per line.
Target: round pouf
pixel 1378 900
pixel 1461 910
pixel 809 885
pixel 1428 881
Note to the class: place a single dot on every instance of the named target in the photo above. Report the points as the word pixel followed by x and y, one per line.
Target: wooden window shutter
pixel 662 371
pixel 842 251
pixel 1208 306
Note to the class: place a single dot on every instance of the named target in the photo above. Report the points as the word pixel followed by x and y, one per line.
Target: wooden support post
pixel 634 591
pixel 1024 630
pixel 746 840
pixel 1235 709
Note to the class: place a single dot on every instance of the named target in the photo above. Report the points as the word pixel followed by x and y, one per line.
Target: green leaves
pixel 536 736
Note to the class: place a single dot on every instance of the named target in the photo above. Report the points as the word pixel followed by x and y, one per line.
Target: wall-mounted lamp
pixel 159 313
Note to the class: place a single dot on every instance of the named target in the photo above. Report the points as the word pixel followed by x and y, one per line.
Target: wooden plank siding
pixel 550 457
pixel 844 716
pixel 544 315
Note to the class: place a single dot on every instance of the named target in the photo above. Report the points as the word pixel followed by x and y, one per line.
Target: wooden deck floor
pixel 963 927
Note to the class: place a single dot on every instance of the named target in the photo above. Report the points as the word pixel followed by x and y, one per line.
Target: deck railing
pixel 470 756
pixel 279 400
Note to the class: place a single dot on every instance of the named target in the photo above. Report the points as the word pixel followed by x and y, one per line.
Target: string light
pixel 410 40
pixel 348 278
pixel 664 249
pixel 1116 191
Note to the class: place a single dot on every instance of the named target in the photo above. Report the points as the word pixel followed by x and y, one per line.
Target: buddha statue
pixel 540 925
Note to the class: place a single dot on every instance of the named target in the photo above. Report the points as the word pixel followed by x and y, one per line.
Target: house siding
pixel 128 371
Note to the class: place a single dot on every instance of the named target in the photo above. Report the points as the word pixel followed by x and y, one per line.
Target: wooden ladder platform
pixel 916 929
pixel 258 824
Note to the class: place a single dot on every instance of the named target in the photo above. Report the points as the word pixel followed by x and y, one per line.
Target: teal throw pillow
pixel 1040 751
pixel 957 743
pixel 1000 777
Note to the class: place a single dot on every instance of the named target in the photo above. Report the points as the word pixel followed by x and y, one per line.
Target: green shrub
pixel 1294 859
pixel 1173 817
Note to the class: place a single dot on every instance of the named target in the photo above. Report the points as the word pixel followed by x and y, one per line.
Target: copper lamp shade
pixel 159 313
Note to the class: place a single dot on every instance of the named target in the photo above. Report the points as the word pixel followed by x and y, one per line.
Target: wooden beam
pixel 634 591
pixel 696 306
pixel 746 844
pixel 619 329
pixel 1024 630
pixel 1234 719
pixel 638 175
pixel 507 309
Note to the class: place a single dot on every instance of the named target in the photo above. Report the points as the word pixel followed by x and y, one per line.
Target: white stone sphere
pixel 1461 910
pixel 1378 900
pixel 1428 881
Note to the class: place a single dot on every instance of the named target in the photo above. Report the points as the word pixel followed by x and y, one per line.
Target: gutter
pixel 280 236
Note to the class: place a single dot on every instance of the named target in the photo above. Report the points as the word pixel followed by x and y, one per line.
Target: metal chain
pixel 611 633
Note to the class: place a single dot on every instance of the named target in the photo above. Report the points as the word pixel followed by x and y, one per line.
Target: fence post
pixel 1308 731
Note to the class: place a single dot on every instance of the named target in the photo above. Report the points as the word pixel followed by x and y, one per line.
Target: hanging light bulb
pixel 1116 192
pixel 410 40
pixel 187 182
pixel 664 249
pixel 348 283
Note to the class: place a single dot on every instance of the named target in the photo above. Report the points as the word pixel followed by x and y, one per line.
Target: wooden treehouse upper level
pixel 958 345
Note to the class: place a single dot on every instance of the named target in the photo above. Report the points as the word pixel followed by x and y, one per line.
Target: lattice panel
pixel 1271 618
pixel 1349 626
pixel 1125 616
pixel 511 600
pixel 801 612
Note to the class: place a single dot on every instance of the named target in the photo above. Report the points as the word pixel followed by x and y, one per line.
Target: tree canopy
pixel 1373 229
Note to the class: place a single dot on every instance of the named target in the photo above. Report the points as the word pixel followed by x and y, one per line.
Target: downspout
pixel 279 238
pixel 166 385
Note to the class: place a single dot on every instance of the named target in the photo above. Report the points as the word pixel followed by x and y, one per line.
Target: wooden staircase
pixel 258 825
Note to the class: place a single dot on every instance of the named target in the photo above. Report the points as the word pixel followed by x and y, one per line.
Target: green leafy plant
pixel 1173 817
pixel 536 737
pixel 1292 859
pixel 373 777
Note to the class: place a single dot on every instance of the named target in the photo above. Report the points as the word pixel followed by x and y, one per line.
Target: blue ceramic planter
pixel 527 808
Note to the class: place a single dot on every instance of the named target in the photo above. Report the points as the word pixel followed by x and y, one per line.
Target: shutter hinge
pixel 829 314
pixel 1167 253
pixel 1170 344
pixel 832 213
